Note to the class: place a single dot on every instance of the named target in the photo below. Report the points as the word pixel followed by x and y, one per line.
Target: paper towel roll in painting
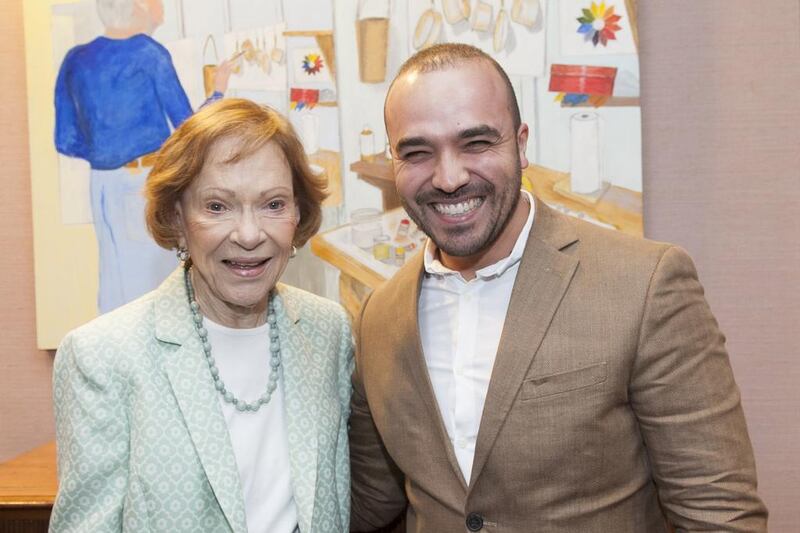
pixel 310 133
pixel 585 153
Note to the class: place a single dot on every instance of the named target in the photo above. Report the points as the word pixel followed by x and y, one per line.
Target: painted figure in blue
pixel 117 99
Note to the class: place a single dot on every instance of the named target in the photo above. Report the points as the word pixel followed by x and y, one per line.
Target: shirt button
pixel 474 522
pixel 461 443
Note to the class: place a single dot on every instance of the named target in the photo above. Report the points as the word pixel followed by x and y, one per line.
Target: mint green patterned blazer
pixel 142 442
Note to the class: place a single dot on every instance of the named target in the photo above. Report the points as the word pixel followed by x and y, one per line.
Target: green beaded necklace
pixel 274 348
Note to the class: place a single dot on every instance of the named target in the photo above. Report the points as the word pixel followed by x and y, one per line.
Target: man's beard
pixel 464 242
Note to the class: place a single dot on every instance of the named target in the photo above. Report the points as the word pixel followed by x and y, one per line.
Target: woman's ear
pixel 179 225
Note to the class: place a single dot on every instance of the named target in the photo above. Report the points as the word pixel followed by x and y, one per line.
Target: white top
pixel 460 323
pixel 259 439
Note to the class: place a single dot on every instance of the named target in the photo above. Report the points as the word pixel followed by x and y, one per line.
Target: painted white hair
pixel 115 13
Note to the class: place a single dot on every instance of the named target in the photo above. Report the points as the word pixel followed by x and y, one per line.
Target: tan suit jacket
pixel 612 406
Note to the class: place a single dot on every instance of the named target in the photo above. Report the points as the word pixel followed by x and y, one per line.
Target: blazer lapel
pixel 301 405
pixel 198 400
pixel 543 277
pixel 408 323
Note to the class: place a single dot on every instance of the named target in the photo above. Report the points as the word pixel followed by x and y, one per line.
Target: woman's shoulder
pixel 306 304
pixel 109 346
pixel 116 328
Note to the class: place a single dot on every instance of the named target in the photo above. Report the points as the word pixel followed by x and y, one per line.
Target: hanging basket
pixel 372 38
pixel 501 29
pixel 482 16
pixel 209 69
pixel 456 10
pixel 526 12
pixel 428 28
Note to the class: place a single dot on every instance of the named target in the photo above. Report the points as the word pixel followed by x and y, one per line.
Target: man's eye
pixel 478 145
pixel 415 156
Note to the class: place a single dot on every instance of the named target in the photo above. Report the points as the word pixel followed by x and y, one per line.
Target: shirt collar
pixel 434 266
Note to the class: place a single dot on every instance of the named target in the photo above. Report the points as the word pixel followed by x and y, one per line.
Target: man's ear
pixel 522 144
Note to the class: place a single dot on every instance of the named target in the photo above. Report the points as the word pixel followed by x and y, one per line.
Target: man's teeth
pixel 460 208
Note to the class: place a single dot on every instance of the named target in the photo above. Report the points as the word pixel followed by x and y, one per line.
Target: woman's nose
pixel 248 232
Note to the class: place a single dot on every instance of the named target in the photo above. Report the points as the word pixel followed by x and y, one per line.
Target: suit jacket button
pixel 474 522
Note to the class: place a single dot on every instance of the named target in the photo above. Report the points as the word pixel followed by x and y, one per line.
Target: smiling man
pixel 529 371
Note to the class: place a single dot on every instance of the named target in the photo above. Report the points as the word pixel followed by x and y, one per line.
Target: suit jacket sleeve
pixel 688 406
pixel 92 433
pixel 378 496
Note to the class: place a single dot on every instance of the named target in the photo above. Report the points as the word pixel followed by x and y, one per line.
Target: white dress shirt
pixel 260 443
pixel 460 324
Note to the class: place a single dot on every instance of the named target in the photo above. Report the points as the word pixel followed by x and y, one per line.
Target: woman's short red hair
pixel 183 154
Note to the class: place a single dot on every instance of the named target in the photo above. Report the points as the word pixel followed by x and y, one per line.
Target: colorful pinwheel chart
pixel 312 64
pixel 599 23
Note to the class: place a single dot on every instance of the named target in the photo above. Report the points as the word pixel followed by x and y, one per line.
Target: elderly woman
pixel 219 401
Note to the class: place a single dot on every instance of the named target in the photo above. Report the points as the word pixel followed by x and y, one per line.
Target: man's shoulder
pixel 388 294
pixel 610 247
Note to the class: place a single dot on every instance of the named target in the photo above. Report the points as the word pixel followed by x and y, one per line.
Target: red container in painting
pixel 582 79
pixel 309 97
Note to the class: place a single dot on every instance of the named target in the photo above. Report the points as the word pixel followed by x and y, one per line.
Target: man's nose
pixel 450 174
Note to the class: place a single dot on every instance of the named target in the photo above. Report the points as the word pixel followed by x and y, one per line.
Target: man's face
pixel 457 156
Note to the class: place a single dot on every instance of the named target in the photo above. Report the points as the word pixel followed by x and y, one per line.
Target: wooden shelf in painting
pixel 378 172
pixel 614 101
pixel 324 41
pixel 307 33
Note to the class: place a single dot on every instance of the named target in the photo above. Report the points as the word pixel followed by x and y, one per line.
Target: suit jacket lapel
pixel 198 400
pixel 543 277
pixel 408 322
pixel 301 405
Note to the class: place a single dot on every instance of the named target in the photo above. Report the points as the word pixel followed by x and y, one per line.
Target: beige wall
pixel 721 124
pixel 722 178
pixel 25 411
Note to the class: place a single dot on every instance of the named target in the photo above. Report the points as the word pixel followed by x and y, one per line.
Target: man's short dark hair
pixel 448 55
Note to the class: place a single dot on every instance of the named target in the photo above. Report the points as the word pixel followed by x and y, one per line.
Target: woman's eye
pixel 276 205
pixel 216 207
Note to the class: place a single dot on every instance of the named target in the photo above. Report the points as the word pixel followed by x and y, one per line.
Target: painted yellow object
pixel 526 183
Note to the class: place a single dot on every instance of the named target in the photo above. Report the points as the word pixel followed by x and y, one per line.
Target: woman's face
pixel 238 221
